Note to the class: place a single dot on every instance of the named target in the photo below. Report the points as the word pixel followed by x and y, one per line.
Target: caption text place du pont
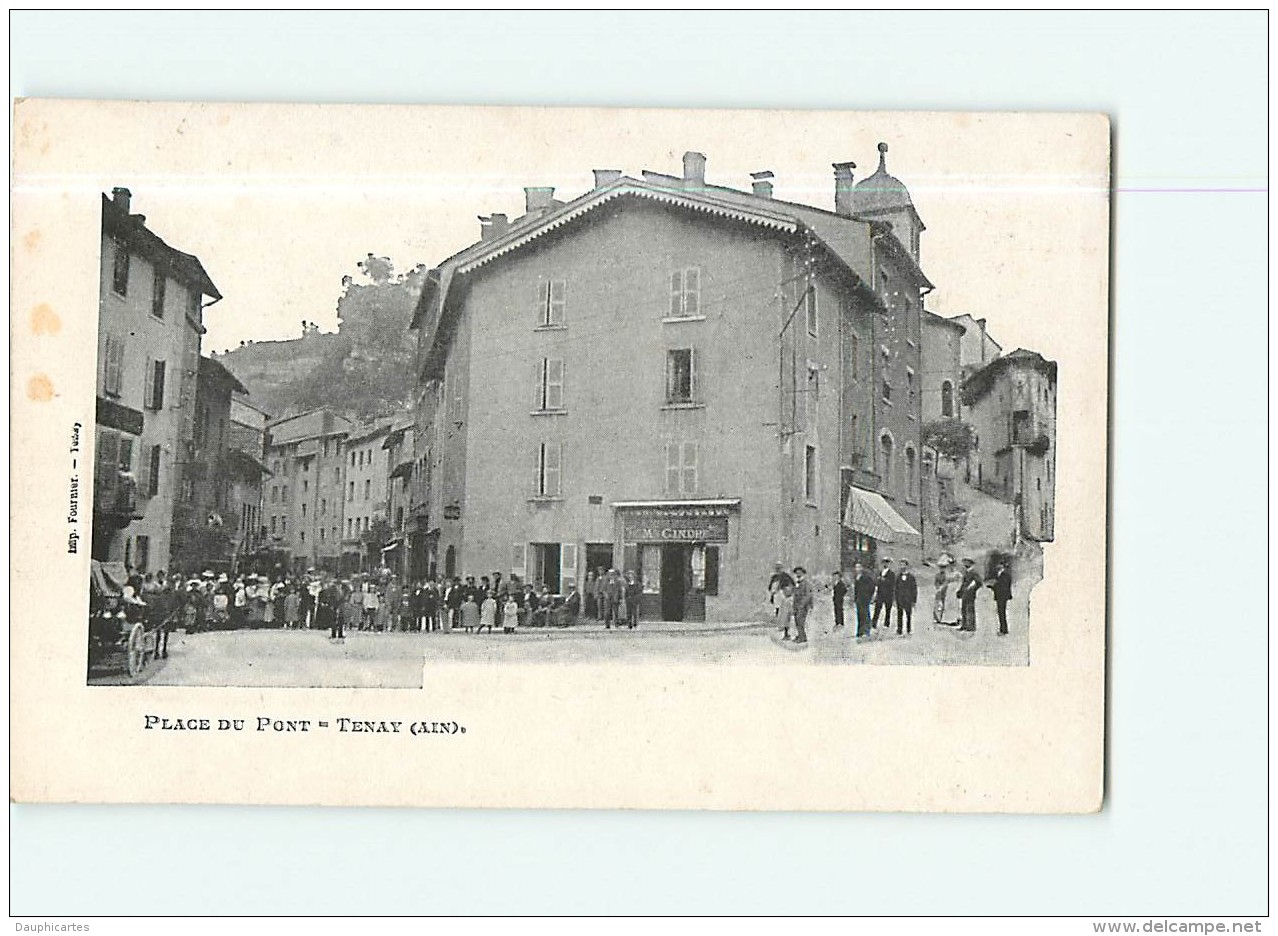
pixel 341 725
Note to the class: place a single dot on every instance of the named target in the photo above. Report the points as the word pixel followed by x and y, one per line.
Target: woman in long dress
pixel 268 606
pixel 938 601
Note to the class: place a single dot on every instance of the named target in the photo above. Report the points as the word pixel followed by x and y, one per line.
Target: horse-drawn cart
pixel 118 620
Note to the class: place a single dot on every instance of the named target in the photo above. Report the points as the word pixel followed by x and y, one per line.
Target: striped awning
pixel 868 513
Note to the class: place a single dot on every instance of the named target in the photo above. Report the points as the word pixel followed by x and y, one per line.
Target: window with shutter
pixel 148 384
pixel 811 304
pixel 552 461
pixel 558 302
pixel 673 467
pixel 552 296
pixel 567 566
pixel 157 386
pixel 153 478
pixel 157 292
pixel 691 454
pixel 679 375
pixel 554 384
pixel 685 293
pixel 691 292
pixel 108 451
pixel 711 584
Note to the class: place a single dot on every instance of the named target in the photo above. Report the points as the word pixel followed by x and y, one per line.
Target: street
pixel 306 658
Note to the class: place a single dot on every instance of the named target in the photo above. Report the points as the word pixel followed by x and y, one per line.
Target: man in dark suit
pixel 1002 586
pixel 862 595
pixel 907 594
pixel 803 601
pixel 840 595
pixel 454 598
pixel 885 595
pixel 967 590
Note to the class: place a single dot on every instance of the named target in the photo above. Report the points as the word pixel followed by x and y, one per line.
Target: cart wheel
pixel 136 653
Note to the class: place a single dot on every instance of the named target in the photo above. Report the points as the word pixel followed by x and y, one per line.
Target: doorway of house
pixel 676 578
pixel 546 565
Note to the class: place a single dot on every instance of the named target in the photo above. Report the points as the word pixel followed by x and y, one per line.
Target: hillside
pixel 362 369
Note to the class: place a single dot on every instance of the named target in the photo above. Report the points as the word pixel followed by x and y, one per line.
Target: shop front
pixel 869 526
pixel 676 548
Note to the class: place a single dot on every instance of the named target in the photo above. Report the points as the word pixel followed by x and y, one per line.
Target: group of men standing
pixel 895 587
pixel 899 588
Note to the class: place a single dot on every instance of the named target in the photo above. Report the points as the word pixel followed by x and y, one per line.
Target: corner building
pixel 675 378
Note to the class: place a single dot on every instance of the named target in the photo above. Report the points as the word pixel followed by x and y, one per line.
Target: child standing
pixel 488 612
pixel 292 608
pixel 469 614
pixel 509 615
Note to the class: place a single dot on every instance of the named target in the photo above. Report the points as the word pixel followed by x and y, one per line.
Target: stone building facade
pixel 303 501
pixel 1011 403
pixel 676 378
pixel 150 322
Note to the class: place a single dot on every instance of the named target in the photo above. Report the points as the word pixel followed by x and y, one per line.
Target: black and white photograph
pixel 644 463
pixel 660 412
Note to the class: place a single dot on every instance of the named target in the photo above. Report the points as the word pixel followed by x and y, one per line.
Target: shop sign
pixel 675 525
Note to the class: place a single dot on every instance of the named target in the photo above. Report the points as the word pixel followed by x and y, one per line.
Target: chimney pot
pixel 538 197
pixel 606 176
pixel 121 196
pixel 694 168
pixel 762 184
pixel 843 179
pixel 498 224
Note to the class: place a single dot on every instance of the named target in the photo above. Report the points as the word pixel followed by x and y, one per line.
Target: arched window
pixel 947 398
pixel 885 461
pixel 911 468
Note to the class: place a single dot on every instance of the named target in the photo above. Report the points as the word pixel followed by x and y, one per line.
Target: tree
pixel 951 438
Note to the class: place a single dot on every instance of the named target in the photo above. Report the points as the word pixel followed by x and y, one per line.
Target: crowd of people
pixel 792 596
pixel 378 602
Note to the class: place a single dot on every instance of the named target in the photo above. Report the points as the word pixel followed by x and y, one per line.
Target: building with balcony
pixel 399 494
pixel 150 322
pixel 1011 403
pixel 246 468
pixel 205 523
pixel 678 378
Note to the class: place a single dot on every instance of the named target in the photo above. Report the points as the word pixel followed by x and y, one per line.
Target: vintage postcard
pixel 498 457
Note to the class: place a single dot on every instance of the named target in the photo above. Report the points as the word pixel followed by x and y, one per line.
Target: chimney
pixel 538 198
pixel 485 227
pixel 694 169
pixel 606 176
pixel 843 188
pixel 120 196
pixel 762 184
pixel 498 224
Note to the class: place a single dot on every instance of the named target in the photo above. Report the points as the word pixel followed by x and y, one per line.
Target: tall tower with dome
pixel 883 197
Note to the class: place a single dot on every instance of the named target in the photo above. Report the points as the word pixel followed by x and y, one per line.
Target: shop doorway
pixel 598 556
pixel 676 578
